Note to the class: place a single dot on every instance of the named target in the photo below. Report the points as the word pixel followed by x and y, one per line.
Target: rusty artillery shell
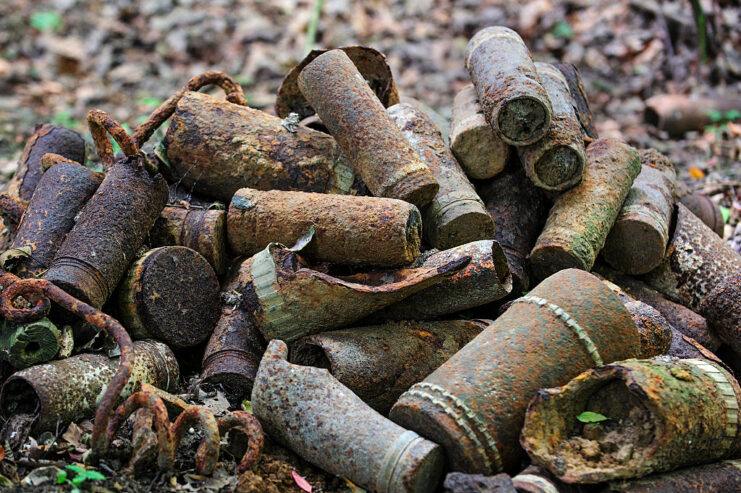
pixel 302 407
pixel 706 210
pixel 348 230
pixel 215 148
pixel 60 194
pixel 581 218
pixel 637 242
pixel 480 151
pixel 203 230
pixel 234 350
pixel 664 413
pixel 170 294
pixel 290 300
pixel 519 210
pixel 556 162
pixel 722 309
pixel 32 343
pixel 69 390
pixel 456 215
pixel 474 404
pixel 46 139
pixel 379 363
pixel 655 332
pixel 485 279
pixel 510 92
pixel 697 261
pixel 579 96
pixel 721 477
pixel 377 149
pixel 110 229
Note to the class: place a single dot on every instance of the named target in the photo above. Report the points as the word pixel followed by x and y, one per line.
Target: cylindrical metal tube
pixel 170 294
pixel 706 210
pixel 581 218
pixel 215 148
pixel 111 228
pixel 480 151
pixel 556 162
pixel 637 242
pixel 380 362
pixel 485 279
pixel 474 404
pixel 579 96
pixel 60 194
pixel 721 477
pixel 32 343
pixel 510 93
pixel 347 230
pixel 203 230
pixel 654 330
pixel 456 215
pixel 358 121
pixel 697 261
pixel 519 210
pixel 663 413
pixel 68 390
pixel 722 309
pixel 302 407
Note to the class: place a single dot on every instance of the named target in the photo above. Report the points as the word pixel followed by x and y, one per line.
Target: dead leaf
pixel 10 257
pixel 301 481
pixel 2 453
pixel 696 173
pixel 353 487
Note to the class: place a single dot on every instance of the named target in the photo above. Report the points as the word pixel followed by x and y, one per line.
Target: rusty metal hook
pixel 101 124
pixel 208 451
pixel 250 426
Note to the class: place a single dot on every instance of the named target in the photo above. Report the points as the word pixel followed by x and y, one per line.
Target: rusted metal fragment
pixel 556 161
pixel 234 350
pixel 534 479
pixel 31 343
pixel 706 210
pixel 722 309
pixel 654 330
pixel 509 90
pixel 686 347
pixel 60 194
pixel 377 149
pixel 290 300
pixel 456 215
pixel 170 294
pixel 380 362
pixel 519 210
pixel 215 148
pixel 302 407
pixel 480 151
pixel 247 424
pixel 720 477
pixel 347 230
pixel 579 97
pixel 458 482
pixel 637 242
pixel 485 279
pixel 663 413
pixel 581 218
pixel 208 451
pixel 203 230
pixel 70 389
pixel 371 64
pixel 697 261
pixel 474 404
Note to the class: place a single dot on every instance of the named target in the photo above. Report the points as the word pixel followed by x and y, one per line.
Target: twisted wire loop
pixel 101 125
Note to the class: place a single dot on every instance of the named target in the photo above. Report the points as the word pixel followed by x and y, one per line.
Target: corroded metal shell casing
pixel 31 343
pixel 347 230
pixel 215 148
pixel 655 332
pixel 170 294
pixel 696 262
pixel 456 215
pixel 46 138
pixel 579 96
pixel 358 121
pixel 111 228
pixel 60 194
pixel 706 210
pixel 670 412
pixel 69 390
pixel 291 300
pixel 721 477
pixel 556 162
pixel 485 279
pixel 513 100
pixel 581 218
pixel 637 242
pixel 722 309
pixel 480 151
pixel 380 362
pixel 203 230
pixel 234 350
pixel 519 210
pixel 302 407
pixel 474 404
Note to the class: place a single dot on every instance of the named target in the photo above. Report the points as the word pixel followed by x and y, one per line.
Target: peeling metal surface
pixel 722 309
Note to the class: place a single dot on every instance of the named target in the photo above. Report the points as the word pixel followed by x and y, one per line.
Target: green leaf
pixel 79 479
pixel 524 293
pixel 562 30
pixel 94 475
pixel 75 468
pixel 75 489
pixel 148 101
pixel 590 417
pixel 732 115
pixel 247 406
pixel 726 213
pixel 45 20
pixel 715 115
pixel 61 477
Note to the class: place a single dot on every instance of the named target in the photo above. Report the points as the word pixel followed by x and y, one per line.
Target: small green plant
pixel 562 30
pixel 64 118
pixel 45 20
pixel 80 476
pixel 247 406
pixel 591 417
pixel 721 119
pixel 117 147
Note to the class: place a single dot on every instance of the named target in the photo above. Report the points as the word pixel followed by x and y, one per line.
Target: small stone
pixel 624 453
